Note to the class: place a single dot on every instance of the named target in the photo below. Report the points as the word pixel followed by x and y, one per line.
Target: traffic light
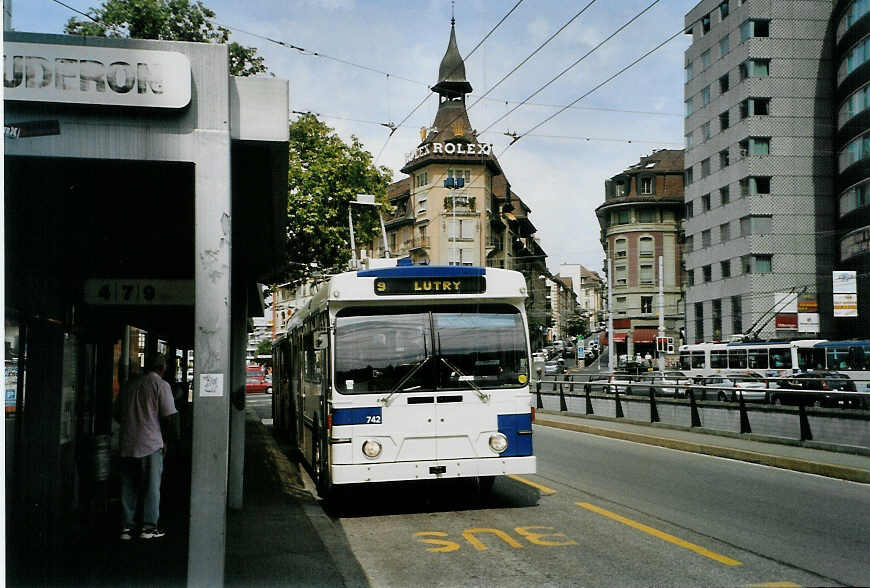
pixel 670 344
pixel 665 344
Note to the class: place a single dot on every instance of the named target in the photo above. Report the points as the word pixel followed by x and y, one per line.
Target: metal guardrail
pixel 571 387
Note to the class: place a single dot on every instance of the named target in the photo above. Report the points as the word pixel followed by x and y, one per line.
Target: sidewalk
pixel 833 464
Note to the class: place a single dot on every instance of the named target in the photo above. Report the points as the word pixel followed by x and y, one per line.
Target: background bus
pixel 408 373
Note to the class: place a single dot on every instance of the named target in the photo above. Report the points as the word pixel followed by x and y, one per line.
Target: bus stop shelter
pixel 145 187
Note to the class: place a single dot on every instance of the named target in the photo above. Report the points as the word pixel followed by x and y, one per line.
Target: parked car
pixel 554 366
pixel 568 350
pixel 727 385
pixel 817 389
pixel 667 383
pixel 255 382
pixel 589 354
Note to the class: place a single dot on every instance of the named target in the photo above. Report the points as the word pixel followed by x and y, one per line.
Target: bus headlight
pixel 371 448
pixel 498 442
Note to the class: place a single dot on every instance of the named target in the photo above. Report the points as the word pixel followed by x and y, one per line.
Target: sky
pixel 377 58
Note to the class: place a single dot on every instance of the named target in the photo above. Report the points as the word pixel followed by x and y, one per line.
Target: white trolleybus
pixel 410 372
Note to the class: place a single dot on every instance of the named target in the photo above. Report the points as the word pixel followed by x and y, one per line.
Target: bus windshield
pixel 442 348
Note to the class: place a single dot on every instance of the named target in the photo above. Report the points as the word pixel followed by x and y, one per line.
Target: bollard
pixel 806 433
pixel 653 409
pixel 696 418
pixel 540 401
pixel 587 389
pixel 571 384
pixel 555 379
pixel 744 416
pixel 563 406
pixel 619 413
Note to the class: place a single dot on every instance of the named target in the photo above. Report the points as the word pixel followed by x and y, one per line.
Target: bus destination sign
pixel 430 286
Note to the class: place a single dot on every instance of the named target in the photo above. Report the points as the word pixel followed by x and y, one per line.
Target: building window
pixel 708 273
pixel 723 84
pixel 762 264
pixel 620 276
pixel 754 28
pixel 646 185
pixel 705 95
pixel 724 159
pixel 724 232
pixel 725 267
pixel 646 274
pixel 690 141
pixel 647 215
pixel 689 107
pixel 705 167
pixel 736 315
pixel 690 277
pixel 723 10
pixel 689 72
pixel 754 107
pixel 724 47
pixel 690 212
pixel 705 238
pixel 705 59
pixel 855 57
pixel 724 120
pixel 689 176
pixel 754 68
pixel 699 321
pixel 724 195
pixel 854 244
pixel 754 185
pixel 620 217
pixel 855 151
pixel 755 225
pixel 705 24
pixel 756 146
pixel 645 247
pixel 620 248
pixel 460 173
pixel 705 131
pixel 621 301
pixel 858 102
pixel 705 203
pixel 854 198
pixel 421 179
pixel 646 304
pixel 690 242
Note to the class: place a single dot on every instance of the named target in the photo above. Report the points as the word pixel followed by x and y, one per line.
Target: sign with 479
pixel 139 292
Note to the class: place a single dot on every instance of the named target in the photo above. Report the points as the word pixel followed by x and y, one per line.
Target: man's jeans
pixel 140 477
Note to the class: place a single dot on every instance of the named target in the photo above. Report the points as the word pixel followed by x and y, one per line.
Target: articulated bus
pixel 777 359
pixel 771 359
pixel 408 373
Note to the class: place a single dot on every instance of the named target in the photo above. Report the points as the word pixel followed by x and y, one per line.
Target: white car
pixel 667 383
pixel 727 385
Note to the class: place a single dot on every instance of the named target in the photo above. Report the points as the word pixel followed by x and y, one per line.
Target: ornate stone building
pixel 477 221
pixel 640 222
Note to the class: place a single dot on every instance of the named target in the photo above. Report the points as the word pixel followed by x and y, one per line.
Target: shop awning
pixel 645 334
pixel 619 337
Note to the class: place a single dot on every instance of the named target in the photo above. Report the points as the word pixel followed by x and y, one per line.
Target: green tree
pixel 264 347
pixel 325 175
pixel 172 20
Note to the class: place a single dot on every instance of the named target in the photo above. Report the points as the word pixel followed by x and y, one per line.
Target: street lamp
pixel 364 200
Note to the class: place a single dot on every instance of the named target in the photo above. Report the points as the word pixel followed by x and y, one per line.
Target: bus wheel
pixel 318 464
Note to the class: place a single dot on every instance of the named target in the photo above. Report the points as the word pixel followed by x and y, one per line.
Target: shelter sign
pixel 36 72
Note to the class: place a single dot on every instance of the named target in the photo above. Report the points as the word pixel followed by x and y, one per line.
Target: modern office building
pixel 760 177
pixel 640 223
pixel 851 22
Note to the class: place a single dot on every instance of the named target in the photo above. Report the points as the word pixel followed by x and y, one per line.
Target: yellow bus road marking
pixel 543 489
pixel 662 535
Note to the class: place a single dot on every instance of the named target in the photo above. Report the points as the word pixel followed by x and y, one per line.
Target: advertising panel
pixel 787 321
pixel 808 322
pixel 845 305
pixel 845 282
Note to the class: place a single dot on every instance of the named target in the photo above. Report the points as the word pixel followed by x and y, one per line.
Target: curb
pixel 787 463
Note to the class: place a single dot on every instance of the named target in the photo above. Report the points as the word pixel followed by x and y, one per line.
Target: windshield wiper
pixel 467 379
pixel 408 376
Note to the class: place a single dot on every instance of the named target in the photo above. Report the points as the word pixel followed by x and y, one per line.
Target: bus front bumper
pixel 431 470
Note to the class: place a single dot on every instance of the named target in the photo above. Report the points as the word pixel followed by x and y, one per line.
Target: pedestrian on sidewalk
pixel 146 411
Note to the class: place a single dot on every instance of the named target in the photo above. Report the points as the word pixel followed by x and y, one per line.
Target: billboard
pixel 845 305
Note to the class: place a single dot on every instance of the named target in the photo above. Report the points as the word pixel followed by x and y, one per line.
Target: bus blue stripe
pixel 510 426
pixel 357 416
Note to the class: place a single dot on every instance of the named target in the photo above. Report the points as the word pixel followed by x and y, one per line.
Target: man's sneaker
pixel 153 533
pixel 126 534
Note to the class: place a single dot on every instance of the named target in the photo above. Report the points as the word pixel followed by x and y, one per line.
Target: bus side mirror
pixel 321 340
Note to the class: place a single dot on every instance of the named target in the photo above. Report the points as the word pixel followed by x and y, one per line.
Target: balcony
pixel 417 243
